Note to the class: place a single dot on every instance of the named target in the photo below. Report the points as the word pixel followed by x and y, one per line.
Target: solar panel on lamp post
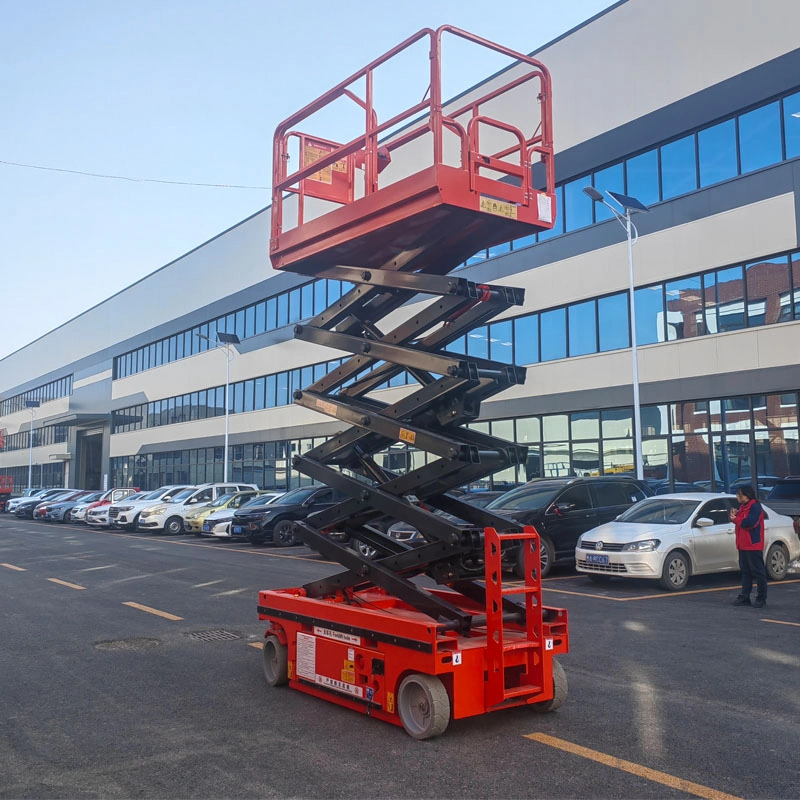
pixel 628 205
pixel 31 405
pixel 228 342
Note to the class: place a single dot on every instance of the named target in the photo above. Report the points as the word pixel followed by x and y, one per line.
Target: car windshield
pixel 785 491
pixel 262 500
pixel 526 498
pixel 149 495
pixel 222 500
pixel 177 498
pixel 295 497
pixel 660 511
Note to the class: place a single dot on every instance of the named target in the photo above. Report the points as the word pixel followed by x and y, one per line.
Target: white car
pixel 218 523
pixel 669 538
pixel 125 513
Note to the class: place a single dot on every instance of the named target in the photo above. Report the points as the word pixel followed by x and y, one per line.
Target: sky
pixel 165 94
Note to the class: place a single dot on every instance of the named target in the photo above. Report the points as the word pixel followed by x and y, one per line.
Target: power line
pixel 133 180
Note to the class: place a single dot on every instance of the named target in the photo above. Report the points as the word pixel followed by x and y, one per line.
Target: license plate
pixel 206 527
pixel 237 528
pixel 594 558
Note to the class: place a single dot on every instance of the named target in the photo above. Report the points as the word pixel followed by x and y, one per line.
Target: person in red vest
pixel 749 521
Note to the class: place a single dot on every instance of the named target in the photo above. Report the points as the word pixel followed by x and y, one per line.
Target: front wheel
pixel 423 706
pixel 547 555
pixel 283 534
pixel 276 661
pixel 777 562
pixel 173 526
pixel 675 573
pixel 560 690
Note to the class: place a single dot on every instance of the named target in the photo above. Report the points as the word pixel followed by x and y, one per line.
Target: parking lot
pixel 131 668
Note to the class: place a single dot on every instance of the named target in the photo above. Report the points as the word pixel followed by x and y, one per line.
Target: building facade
pixel 692 108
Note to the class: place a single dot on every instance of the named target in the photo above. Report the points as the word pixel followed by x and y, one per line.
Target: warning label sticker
pixel 498 207
pixel 407 436
pixel 338 636
pixel 340 686
pixel 313 153
pixel 306 656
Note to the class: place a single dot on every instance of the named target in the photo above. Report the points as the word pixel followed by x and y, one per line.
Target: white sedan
pixel 669 538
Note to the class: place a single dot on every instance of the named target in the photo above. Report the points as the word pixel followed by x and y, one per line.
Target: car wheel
pixel 276 661
pixel 560 690
pixel 547 555
pixel 135 524
pixel 362 547
pixel 423 706
pixel 282 534
pixel 777 562
pixel 675 573
pixel 173 526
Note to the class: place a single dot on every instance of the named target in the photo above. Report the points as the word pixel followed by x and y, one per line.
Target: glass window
pixel 585 425
pixel 577 205
pixel 649 314
pixel 282 388
pixel 655 420
pixel 239 329
pixel 617 456
pixel 554 334
pixel 477 258
pixel 272 313
pixel 283 309
pixel 586 458
pixel 261 318
pixel 556 463
pixel 334 291
pixel 528 430
pixel 202 404
pixel 684 308
pixel 795 299
pixel 555 427
pixel 609 179
pixel 525 241
pixel 194 402
pixel 617 422
pixel 320 296
pixel 250 321
pixel 612 313
pixel 294 305
pixel 500 342
pixel 767 285
pixel 271 384
pixel 499 249
pixel 642 175
pixel 249 395
pixel 730 299
pixel 236 397
pixel 526 338
pixel 478 342
pixel 791 124
pixel 307 301
pixel 258 393
pixel 760 137
pixel 558 226
pixel 582 328
pixel 717 151
pixel 678 167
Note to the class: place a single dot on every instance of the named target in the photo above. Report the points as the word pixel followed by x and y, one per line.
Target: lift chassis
pixel 415 635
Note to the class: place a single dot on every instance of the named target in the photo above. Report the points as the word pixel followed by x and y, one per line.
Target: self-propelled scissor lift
pixel 421 634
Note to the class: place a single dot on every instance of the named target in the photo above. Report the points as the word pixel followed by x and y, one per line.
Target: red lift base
pixel 366 650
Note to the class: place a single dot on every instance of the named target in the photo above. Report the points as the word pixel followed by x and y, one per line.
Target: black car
pixel 561 509
pixel 784 498
pixel 273 522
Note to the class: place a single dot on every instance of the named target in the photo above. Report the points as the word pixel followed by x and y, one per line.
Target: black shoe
pixel 741 601
pixel 759 603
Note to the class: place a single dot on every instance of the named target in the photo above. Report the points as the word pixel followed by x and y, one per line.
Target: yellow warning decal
pixel 348 676
pixel 324 175
pixel 328 408
pixel 407 436
pixel 390 702
pixel 290 670
pixel 498 207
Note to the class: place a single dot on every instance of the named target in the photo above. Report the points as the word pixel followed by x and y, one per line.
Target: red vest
pixel 750 526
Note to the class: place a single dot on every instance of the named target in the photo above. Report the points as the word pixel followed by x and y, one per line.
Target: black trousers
pixel 751 563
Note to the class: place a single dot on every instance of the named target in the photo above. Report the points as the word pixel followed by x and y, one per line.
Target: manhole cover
pixel 214 636
pixel 127 644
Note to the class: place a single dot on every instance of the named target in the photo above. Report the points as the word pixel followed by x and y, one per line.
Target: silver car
pixel 669 538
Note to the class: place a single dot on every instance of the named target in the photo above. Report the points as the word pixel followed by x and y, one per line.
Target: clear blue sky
pixel 176 90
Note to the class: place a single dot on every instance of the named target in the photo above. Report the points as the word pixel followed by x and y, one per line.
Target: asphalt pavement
pixel 130 667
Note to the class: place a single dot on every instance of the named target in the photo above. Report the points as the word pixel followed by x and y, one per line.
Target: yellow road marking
pixel 634 769
pixel 11 566
pixel 64 583
pixel 257 645
pixel 152 611
pixel 781 622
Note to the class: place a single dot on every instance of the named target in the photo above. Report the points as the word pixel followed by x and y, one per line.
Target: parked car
pixel 25 508
pixel 125 514
pixel 169 516
pixel 13 502
pixel 672 537
pixel 562 509
pixel 273 522
pixel 60 510
pixel 97 512
pixel 218 523
pixel 784 498
pixel 193 521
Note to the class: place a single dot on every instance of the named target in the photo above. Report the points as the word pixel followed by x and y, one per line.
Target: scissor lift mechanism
pixel 376 636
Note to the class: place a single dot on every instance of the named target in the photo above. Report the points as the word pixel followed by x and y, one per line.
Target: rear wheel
pixel 276 661
pixel 423 706
pixel 547 555
pixel 675 572
pixel 173 526
pixel 560 690
pixel 361 547
pixel 777 562
pixel 283 534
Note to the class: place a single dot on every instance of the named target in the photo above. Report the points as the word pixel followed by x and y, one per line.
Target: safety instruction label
pixel 492 206
pixel 545 208
pixel 328 408
pixel 339 636
pixel 306 656
pixel 407 436
pixel 313 153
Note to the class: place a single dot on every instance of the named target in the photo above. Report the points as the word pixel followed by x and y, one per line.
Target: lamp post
pixel 31 405
pixel 628 205
pixel 227 341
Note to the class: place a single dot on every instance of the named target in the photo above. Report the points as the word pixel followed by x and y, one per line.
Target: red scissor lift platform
pixel 414 635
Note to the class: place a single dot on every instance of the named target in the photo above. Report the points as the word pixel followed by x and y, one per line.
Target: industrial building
pixel 691 108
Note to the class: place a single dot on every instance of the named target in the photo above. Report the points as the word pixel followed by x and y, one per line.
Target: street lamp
pixel 31 405
pixel 227 340
pixel 628 205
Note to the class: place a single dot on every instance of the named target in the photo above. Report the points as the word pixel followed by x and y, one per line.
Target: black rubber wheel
pixel 362 547
pixel 173 526
pixel 423 706
pixel 282 534
pixel 547 555
pixel 675 573
pixel 135 524
pixel 777 562
pixel 560 690
pixel 276 661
